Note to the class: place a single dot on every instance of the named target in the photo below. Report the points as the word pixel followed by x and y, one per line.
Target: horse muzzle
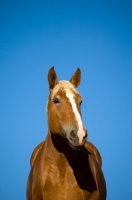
pixel 74 140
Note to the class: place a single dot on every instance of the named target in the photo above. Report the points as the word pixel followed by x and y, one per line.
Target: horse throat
pixel 59 149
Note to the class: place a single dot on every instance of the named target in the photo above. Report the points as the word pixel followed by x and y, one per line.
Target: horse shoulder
pixel 95 163
pixel 94 151
pixel 35 153
pixel 98 177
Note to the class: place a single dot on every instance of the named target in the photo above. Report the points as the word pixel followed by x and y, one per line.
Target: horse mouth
pixel 76 147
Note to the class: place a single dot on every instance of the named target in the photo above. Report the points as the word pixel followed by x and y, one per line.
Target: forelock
pixel 64 85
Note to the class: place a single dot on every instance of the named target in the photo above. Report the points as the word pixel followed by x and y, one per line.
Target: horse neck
pixel 58 149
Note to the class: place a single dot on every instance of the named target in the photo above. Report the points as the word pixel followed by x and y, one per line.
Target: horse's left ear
pixel 52 78
pixel 76 78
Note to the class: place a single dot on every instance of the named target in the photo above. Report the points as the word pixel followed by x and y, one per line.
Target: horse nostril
pixel 85 135
pixel 73 134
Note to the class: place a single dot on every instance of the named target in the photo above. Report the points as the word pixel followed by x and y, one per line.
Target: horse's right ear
pixel 52 78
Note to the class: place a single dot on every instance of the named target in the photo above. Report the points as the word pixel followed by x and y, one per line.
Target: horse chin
pixel 76 147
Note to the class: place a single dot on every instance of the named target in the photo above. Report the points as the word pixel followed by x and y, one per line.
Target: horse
pixel 65 166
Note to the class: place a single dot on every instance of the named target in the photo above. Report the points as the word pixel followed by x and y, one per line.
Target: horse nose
pixel 74 136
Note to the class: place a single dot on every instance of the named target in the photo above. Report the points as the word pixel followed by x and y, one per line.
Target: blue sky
pixel 93 35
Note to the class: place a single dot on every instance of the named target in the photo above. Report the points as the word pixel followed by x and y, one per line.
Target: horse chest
pixel 62 183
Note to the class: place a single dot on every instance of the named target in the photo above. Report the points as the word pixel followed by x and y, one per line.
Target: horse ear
pixel 76 78
pixel 52 78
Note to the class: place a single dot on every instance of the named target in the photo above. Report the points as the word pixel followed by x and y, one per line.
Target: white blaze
pixel 80 132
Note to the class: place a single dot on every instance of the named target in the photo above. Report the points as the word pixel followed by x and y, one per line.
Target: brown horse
pixel 65 166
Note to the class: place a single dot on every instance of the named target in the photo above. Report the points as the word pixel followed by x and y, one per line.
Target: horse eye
pixel 56 100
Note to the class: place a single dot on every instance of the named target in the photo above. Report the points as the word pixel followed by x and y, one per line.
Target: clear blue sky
pixel 93 35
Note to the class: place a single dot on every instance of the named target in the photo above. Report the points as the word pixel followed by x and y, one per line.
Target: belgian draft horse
pixel 65 166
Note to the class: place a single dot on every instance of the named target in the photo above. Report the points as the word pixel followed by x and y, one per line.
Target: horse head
pixel 63 109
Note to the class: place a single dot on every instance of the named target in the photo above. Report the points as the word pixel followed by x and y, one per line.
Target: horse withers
pixel 65 166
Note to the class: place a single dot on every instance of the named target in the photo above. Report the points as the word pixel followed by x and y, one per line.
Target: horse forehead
pixel 64 86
